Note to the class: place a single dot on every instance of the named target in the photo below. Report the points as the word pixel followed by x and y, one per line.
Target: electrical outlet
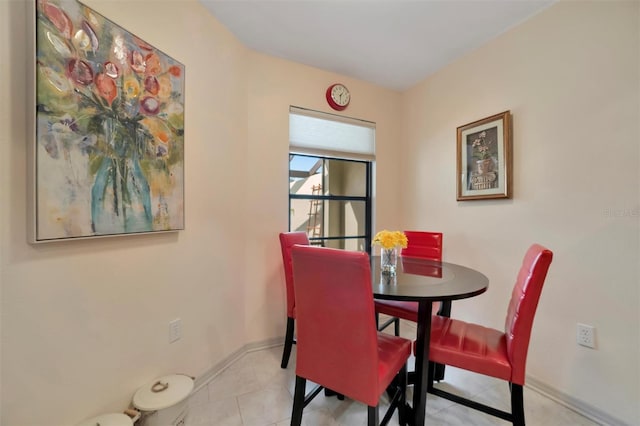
pixel 586 335
pixel 175 330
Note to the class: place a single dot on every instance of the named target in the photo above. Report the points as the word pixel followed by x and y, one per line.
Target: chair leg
pixel 403 416
pixel 288 342
pixel 430 375
pixel 443 311
pixel 438 374
pixel 516 416
pixel 395 321
pixel 329 392
pixel 298 401
pixel 517 404
pixel 372 416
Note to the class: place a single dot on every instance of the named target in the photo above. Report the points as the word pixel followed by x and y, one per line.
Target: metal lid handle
pixel 159 386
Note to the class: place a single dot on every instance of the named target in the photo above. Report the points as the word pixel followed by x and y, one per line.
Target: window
pixel 330 199
pixel 330 169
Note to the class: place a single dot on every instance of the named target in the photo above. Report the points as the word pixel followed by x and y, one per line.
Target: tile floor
pixel 255 391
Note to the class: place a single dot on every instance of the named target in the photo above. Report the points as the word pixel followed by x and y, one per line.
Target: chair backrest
pixel 522 307
pixel 337 337
pixel 288 240
pixel 418 266
pixel 423 244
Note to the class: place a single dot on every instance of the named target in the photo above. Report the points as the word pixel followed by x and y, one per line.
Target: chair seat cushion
pixel 393 353
pixel 403 310
pixel 394 308
pixel 469 346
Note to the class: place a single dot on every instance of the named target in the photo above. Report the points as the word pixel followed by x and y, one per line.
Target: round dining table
pixel 425 281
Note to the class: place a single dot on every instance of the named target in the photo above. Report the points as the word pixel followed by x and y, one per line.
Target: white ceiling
pixel 391 43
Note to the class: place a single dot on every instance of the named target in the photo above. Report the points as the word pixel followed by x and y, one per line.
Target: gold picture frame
pixel 484 158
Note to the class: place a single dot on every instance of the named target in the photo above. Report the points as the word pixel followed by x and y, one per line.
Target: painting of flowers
pixel 483 154
pixel 109 157
pixel 484 158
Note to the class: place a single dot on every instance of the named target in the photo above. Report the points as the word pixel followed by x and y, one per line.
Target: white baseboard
pixel 572 403
pixel 218 368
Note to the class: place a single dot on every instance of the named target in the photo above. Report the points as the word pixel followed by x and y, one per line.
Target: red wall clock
pixel 338 96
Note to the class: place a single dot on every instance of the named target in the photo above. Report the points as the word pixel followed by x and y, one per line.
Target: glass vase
pixel 387 279
pixel 120 199
pixel 388 260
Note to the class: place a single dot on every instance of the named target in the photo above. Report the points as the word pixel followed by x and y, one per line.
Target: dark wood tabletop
pixel 426 280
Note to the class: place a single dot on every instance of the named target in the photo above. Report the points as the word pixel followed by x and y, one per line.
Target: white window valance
pixel 330 135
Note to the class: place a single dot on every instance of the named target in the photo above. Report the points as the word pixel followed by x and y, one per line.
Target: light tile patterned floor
pixel 255 391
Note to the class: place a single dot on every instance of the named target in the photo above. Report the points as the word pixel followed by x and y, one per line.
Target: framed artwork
pixel 484 158
pixel 108 156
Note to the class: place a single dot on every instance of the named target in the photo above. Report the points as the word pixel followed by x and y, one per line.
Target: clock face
pixel 338 96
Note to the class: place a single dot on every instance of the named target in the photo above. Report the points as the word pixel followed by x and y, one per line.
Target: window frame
pixel 367 199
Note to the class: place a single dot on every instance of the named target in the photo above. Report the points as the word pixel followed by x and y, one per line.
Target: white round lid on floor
pixel 113 419
pixel 163 392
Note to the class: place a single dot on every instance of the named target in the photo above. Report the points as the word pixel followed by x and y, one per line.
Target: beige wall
pixel 273 86
pixel 85 323
pixel 570 77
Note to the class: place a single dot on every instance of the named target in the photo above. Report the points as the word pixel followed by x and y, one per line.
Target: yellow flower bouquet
pixel 389 242
pixel 390 239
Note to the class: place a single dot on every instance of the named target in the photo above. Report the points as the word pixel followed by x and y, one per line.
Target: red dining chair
pixel 495 353
pixel 338 344
pixel 427 245
pixel 423 244
pixel 288 240
pixel 420 244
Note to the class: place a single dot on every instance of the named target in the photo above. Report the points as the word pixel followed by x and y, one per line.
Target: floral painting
pixel 484 158
pixel 109 154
